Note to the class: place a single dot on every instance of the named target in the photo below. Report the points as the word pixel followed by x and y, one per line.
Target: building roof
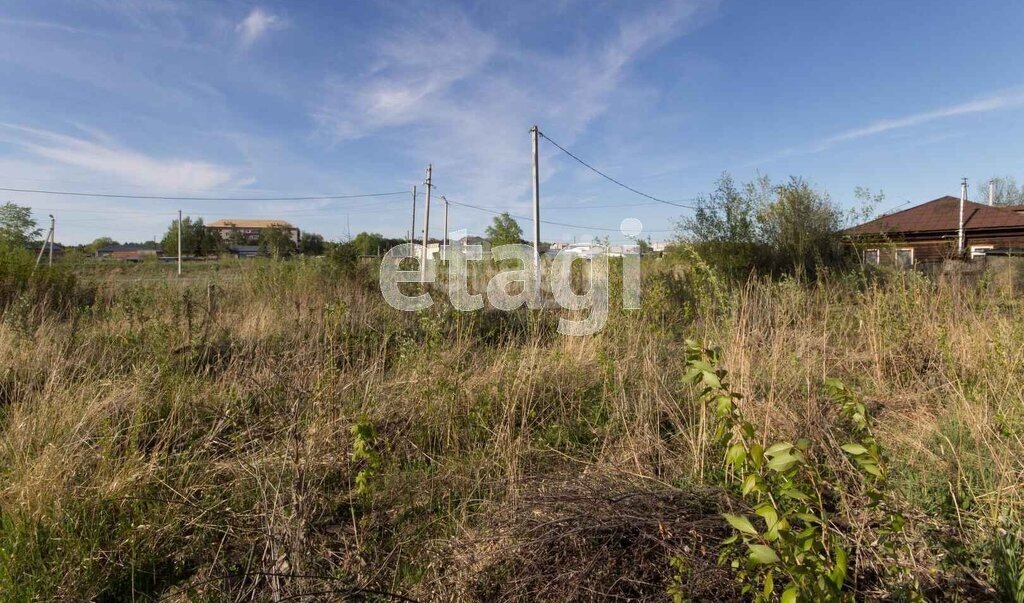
pixel 941 215
pixel 247 223
pixel 128 247
pixel 35 245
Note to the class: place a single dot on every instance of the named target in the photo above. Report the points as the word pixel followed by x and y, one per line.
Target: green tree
pixel 312 244
pixel 277 242
pixel 789 228
pixel 17 228
pixel 98 244
pixel 800 227
pixel 344 255
pixel 369 243
pixel 724 229
pixel 868 204
pixel 727 214
pixel 1005 191
pixel 196 240
pixel 504 230
pixel 236 238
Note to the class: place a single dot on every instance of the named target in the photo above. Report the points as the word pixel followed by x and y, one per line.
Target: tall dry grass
pixel 172 441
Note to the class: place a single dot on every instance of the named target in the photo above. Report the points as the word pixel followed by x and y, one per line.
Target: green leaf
pixel 778 448
pixel 871 468
pixel 782 462
pixel 736 455
pixel 740 523
pixel 834 384
pixel 769 585
pixel 711 380
pixel 838 573
pixel 702 366
pixel 808 517
pixel 757 454
pixel 789 595
pixel 749 483
pixel 762 554
pixel 767 512
pixel 854 449
pixel 794 494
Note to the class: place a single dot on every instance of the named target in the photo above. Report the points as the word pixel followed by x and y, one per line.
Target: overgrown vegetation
pixel 765 228
pixel 271 429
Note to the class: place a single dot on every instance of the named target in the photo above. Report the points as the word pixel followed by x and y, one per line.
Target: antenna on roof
pixel 960 229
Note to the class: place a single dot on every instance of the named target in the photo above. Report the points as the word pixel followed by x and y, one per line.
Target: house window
pixel 905 257
pixel 871 256
pixel 978 251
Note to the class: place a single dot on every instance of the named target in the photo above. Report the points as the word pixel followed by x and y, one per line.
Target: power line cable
pixel 529 219
pixel 586 206
pixel 171 198
pixel 609 178
pixel 348 209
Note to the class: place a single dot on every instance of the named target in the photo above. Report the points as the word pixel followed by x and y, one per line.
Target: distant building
pixel 929 233
pixel 244 251
pixel 243 232
pixel 129 252
pixel 58 249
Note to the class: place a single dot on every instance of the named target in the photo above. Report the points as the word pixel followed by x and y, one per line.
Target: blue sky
pixel 302 98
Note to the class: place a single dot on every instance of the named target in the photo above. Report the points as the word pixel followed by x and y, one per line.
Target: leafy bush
pixel 43 287
pixel 788 228
pixel 798 544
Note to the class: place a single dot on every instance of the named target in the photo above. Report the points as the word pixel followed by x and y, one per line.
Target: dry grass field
pixel 285 435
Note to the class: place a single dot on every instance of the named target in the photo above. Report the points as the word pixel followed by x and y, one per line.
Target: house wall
pixel 936 248
pixel 252 235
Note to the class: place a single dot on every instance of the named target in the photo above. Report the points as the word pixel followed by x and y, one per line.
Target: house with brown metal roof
pixel 929 232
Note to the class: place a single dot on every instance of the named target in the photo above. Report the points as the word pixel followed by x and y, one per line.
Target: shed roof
pixel 117 247
pixel 939 215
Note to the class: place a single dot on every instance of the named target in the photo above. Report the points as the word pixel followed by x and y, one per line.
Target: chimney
pixel 991 193
pixel 960 229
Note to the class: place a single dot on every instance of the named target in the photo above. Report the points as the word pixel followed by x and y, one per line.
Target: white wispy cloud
pixel 1006 99
pixel 256 25
pixel 468 95
pixel 103 156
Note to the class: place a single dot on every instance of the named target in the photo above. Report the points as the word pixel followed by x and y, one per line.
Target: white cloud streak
pixel 469 96
pixel 102 156
pixel 1006 99
pixel 258 23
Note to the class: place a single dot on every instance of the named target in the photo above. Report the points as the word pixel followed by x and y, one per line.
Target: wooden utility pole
pixel 179 242
pixel 412 229
pixel 444 252
pixel 426 228
pixel 534 134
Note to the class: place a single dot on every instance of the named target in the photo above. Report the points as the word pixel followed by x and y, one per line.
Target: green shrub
pixel 44 287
